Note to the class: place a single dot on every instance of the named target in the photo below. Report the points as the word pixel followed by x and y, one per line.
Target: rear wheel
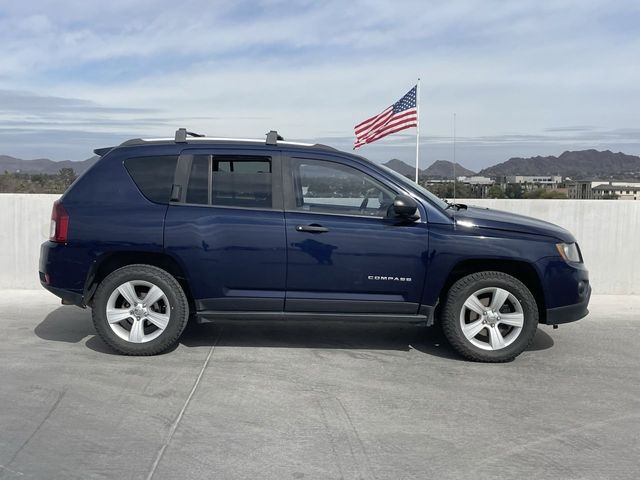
pixel 489 317
pixel 140 310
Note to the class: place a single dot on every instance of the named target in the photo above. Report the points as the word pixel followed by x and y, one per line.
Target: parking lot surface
pixel 322 401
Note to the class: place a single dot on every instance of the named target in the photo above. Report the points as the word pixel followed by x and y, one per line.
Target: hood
pixel 499 220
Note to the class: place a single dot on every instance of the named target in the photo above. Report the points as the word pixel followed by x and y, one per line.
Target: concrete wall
pixel 24 225
pixel 608 232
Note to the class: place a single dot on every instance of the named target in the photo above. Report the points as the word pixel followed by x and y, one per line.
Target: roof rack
pixel 273 137
pixel 182 134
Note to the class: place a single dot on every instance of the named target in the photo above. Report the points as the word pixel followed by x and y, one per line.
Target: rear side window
pixel 153 175
pixel 230 181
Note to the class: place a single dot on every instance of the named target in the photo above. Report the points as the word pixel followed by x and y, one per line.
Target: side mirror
pixel 404 207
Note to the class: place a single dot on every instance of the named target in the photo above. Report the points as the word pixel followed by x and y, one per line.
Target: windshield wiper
pixel 457 206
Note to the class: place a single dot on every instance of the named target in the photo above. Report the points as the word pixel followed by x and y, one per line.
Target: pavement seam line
pixel 61 395
pixel 178 419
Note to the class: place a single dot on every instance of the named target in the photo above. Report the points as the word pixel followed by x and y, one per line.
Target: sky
pixel 524 78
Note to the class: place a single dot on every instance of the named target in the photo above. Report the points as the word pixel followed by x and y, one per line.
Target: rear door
pixel 226 226
pixel 344 255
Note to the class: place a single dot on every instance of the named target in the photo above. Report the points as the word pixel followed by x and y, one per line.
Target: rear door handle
pixel 313 228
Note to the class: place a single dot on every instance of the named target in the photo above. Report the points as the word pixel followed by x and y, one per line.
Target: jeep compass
pixel 161 231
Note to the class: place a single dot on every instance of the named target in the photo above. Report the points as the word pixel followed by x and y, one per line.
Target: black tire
pixel 178 316
pixel 461 290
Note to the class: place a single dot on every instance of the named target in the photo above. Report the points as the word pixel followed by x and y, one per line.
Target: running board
pixel 215 316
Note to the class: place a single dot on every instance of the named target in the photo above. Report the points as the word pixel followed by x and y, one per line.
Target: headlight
pixel 569 251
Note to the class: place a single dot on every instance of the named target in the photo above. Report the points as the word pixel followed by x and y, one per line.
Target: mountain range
pixel 578 165
pixel 582 164
pixel 43 165
pixel 438 169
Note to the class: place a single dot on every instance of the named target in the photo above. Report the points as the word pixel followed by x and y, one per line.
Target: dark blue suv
pixel 159 231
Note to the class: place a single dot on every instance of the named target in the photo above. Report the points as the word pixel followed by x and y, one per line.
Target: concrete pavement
pixel 316 401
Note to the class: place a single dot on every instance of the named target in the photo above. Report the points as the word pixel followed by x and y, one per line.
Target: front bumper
pixel 569 313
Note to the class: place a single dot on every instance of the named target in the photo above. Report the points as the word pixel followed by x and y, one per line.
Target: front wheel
pixel 140 310
pixel 489 317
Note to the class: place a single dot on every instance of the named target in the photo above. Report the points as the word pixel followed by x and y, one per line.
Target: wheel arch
pixel 522 270
pixel 109 262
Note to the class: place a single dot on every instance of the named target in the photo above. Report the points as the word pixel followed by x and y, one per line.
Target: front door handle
pixel 313 228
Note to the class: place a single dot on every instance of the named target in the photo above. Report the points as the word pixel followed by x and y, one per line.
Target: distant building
pixel 476 180
pixel 433 181
pixel 536 181
pixel 617 190
pixel 603 189
pixel 475 186
pixel 577 190
pixel 479 185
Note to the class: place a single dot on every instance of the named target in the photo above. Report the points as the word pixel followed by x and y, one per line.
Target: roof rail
pixel 273 137
pixel 182 133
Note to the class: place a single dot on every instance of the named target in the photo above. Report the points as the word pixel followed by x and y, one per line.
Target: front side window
pixel 231 181
pixel 329 187
pixel 412 186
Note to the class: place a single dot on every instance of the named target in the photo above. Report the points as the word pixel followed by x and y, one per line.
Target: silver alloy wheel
pixel 491 318
pixel 138 311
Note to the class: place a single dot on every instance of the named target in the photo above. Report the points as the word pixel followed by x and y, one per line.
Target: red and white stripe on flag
pixel 401 115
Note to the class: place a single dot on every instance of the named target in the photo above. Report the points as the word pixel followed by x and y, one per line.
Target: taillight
pixel 59 223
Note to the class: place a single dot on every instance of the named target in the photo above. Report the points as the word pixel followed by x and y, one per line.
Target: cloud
pixel 571 128
pixel 16 101
pixel 517 73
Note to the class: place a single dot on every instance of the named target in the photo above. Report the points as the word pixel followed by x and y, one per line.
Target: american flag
pixel 399 116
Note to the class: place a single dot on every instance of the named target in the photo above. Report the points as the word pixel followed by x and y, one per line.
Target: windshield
pixel 415 187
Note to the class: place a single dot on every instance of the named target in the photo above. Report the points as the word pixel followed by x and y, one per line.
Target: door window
pixel 329 187
pixel 230 181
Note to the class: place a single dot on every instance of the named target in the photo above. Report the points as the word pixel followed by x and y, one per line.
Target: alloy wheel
pixel 491 318
pixel 138 311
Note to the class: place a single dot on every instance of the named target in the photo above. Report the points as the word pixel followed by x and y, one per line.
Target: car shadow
pixel 319 335
pixel 74 325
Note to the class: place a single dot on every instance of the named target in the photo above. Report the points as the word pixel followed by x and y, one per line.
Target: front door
pixel 227 228
pixel 344 254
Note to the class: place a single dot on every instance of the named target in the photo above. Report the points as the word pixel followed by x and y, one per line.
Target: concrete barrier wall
pixel 24 225
pixel 608 232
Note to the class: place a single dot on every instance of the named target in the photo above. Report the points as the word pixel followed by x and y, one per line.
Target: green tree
pixel 543 193
pixel 67 174
pixel 554 194
pixel 445 190
pixel 513 190
pixel 37 182
pixel 533 194
pixel 496 192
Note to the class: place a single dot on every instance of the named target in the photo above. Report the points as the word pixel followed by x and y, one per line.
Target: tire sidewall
pixel 466 286
pixel 171 288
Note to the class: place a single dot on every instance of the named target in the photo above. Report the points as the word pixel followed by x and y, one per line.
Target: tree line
pixel 510 190
pixel 17 182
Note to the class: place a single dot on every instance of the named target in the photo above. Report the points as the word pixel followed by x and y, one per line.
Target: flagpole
pixel 417 126
pixel 454 157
